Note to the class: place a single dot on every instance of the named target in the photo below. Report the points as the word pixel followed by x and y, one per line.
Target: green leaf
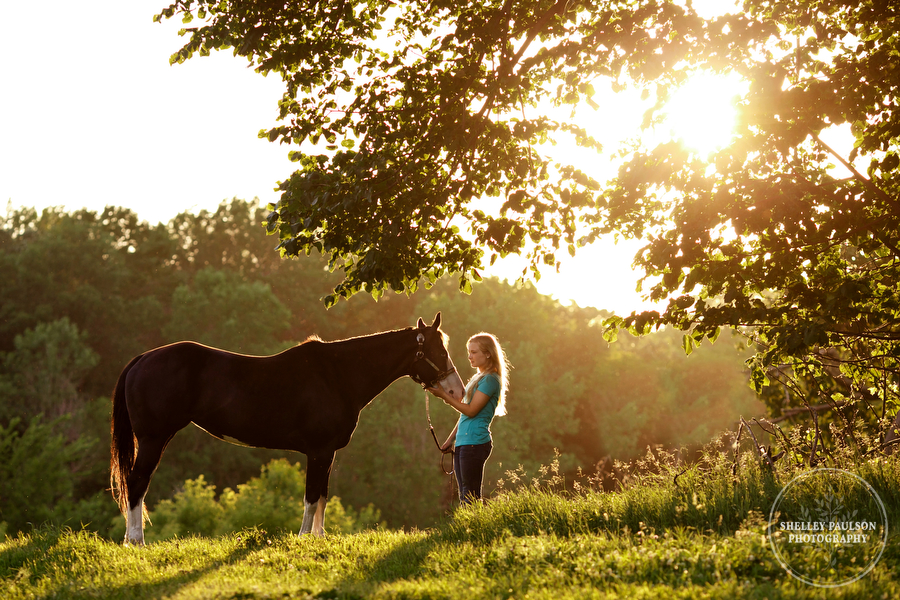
pixel 688 343
pixel 611 334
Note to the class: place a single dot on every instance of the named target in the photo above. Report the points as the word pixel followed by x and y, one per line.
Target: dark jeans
pixel 468 463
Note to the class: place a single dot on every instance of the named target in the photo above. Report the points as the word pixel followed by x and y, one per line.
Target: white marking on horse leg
pixel 134 525
pixel 308 514
pixel 319 519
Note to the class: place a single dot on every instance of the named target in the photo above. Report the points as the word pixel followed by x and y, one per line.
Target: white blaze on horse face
pixel 452 384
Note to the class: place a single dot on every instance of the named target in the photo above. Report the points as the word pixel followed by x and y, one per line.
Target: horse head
pixel 433 366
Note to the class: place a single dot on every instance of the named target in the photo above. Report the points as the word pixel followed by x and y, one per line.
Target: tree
pixel 102 272
pixel 775 239
pixel 647 392
pixel 227 238
pixel 44 373
pixel 36 485
pixel 223 310
pixel 431 163
pixel 415 136
pixel 55 466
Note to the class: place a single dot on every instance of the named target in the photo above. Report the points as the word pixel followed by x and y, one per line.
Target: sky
pixel 92 114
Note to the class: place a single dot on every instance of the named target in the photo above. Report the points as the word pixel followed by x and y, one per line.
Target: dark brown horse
pixel 307 399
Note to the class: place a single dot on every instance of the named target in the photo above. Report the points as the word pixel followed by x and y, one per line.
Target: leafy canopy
pixel 427 109
pixel 787 235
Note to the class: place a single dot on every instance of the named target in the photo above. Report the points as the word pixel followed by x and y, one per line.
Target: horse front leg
pixel 318 470
pixel 149 453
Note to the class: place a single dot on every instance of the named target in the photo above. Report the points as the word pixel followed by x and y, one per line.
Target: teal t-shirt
pixel 477 429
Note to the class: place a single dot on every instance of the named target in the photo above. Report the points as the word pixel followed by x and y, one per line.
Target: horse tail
pixel 123 443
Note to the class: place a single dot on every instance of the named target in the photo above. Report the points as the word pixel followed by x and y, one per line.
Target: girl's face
pixel 477 357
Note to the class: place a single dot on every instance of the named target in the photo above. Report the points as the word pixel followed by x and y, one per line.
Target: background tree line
pixel 84 292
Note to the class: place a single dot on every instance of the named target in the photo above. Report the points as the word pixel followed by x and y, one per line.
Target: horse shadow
pixel 43 553
pixel 36 556
pixel 406 560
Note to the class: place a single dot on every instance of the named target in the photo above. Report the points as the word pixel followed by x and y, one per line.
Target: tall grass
pixel 717 494
pixel 702 535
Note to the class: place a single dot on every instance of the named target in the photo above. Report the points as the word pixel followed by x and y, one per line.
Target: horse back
pixel 280 401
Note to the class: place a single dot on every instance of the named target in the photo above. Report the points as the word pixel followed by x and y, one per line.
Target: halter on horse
pixel 438 376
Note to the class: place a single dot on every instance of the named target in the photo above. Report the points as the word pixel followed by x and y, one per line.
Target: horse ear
pixel 420 324
pixel 437 321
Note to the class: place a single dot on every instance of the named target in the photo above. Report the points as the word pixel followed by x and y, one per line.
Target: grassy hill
pixel 703 537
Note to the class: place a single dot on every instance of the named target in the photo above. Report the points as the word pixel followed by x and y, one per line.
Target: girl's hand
pixel 438 392
pixel 447 446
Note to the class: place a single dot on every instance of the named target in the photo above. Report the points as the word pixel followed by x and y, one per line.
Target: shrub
pixel 273 502
pixel 36 485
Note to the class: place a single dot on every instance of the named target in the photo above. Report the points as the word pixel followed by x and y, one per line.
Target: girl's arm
pixel 479 401
pixel 450 439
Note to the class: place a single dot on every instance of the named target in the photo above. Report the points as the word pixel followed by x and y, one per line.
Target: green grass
pixel 702 538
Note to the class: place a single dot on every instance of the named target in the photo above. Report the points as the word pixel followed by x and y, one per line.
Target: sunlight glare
pixel 600 275
pixel 702 112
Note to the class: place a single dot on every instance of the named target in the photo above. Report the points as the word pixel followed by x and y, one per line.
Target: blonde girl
pixel 485 398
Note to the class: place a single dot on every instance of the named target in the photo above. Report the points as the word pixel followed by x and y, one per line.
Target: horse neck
pixel 369 364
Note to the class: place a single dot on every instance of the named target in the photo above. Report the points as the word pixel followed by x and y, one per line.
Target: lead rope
pixel 434 437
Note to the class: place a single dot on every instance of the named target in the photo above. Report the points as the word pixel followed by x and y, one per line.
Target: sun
pixel 702 113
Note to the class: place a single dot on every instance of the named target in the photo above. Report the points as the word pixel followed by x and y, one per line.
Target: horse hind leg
pixel 318 524
pixel 145 464
pixel 314 517
pixel 318 471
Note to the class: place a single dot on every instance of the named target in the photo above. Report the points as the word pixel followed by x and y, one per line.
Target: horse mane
pixel 315 337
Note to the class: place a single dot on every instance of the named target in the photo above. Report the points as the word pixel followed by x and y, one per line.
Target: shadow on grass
pixel 405 560
pixel 49 551
pixel 409 557
pixel 22 550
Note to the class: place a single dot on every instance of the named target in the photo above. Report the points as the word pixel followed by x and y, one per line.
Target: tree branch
pixel 792 412
pixel 859 176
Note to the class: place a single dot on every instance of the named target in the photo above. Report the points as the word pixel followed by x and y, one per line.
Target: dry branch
pixel 792 412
